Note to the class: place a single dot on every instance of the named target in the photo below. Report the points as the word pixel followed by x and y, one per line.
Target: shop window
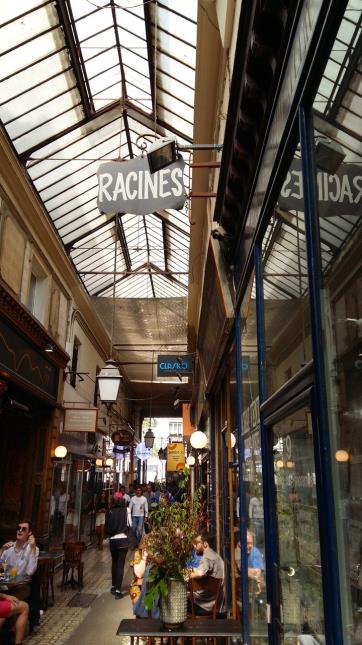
pixel 252 471
pixel 339 187
pixel 285 283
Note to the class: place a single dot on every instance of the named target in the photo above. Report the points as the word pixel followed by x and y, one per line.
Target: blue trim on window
pixel 266 445
pixel 326 508
pixel 243 514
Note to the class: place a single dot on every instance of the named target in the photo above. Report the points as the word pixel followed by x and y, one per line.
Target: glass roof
pixel 88 79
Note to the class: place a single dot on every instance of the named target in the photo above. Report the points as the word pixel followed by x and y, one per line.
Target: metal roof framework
pixel 81 81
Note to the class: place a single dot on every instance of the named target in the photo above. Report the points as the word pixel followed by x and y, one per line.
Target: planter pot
pixel 173 607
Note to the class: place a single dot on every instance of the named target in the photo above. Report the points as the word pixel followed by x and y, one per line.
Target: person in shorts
pixel 11 606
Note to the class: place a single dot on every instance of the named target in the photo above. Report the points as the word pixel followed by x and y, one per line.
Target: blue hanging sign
pixel 169 365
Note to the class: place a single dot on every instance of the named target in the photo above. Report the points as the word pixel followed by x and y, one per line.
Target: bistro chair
pixel 73 561
pixel 46 578
pixel 214 587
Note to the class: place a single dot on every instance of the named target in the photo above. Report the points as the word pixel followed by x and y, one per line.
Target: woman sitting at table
pixel 11 606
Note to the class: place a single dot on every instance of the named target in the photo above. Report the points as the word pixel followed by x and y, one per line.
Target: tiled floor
pixel 95 625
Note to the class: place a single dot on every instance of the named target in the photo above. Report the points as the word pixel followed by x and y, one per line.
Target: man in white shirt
pixel 138 511
pixel 21 554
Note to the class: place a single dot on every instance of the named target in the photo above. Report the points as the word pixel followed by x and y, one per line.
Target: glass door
pixel 299 567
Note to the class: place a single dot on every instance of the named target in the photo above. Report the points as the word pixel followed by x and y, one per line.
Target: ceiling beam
pixel 66 20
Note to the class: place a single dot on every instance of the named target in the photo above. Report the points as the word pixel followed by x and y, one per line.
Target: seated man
pixel 211 564
pixel 255 559
pixel 11 606
pixel 22 555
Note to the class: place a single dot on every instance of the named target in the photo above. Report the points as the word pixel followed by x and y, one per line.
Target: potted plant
pixel 169 547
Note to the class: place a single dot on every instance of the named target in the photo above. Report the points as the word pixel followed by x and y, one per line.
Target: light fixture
pixel 99 462
pixel 329 155
pixel 290 571
pixel 190 461
pixel 109 380
pixel 232 440
pixel 149 438
pixel 342 456
pixel 162 454
pixel 109 377
pixel 60 452
pixel 198 440
pixel 109 461
pixel 290 463
pixel 279 463
pixel 161 153
pixel 49 348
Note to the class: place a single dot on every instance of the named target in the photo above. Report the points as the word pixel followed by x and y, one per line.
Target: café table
pixel 15 585
pixel 197 628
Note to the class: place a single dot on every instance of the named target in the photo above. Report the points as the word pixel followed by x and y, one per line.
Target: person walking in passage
pixel 138 510
pixel 11 606
pixel 116 528
pixel 101 509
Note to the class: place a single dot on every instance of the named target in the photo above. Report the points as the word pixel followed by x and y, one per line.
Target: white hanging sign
pixel 129 187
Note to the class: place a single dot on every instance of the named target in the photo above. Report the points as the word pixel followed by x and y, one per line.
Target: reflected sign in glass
pixel 174 365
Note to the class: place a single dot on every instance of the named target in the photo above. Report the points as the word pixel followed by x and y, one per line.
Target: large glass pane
pixel 286 297
pixel 252 473
pixel 298 534
pixel 338 160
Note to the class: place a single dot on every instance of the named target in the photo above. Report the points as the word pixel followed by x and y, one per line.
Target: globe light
pixel 60 452
pixel 342 455
pixel 190 461
pixel 99 462
pixel 109 461
pixel 280 463
pixel 198 440
pixel 232 440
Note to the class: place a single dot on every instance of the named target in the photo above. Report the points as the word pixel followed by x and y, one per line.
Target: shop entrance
pixel 298 560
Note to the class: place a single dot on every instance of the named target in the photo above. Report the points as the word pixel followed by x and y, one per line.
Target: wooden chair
pixel 212 586
pixel 73 560
pixel 46 579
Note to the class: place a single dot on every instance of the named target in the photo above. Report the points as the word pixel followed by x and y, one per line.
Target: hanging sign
pixel 80 420
pixel 142 452
pixel 129 187
pixel 168 365
pixel 338 194
pixel 175 457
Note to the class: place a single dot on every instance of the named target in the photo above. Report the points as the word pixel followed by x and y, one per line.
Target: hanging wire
pixel 155 68
pixel 114 283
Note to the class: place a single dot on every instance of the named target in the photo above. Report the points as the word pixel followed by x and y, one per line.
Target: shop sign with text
pixel 130 187
pixel 175 457
pixel 172 365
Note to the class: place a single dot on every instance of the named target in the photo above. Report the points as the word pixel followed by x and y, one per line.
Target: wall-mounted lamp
pixel 49 348
pixel 198 440
pixel 59 453
pixel 109 462
pixel 99 463
pixel 342 456
pixel 190 461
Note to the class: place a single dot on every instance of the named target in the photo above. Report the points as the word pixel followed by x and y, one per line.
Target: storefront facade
pixel 289 380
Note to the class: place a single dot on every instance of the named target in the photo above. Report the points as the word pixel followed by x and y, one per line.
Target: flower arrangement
pixel 169 544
